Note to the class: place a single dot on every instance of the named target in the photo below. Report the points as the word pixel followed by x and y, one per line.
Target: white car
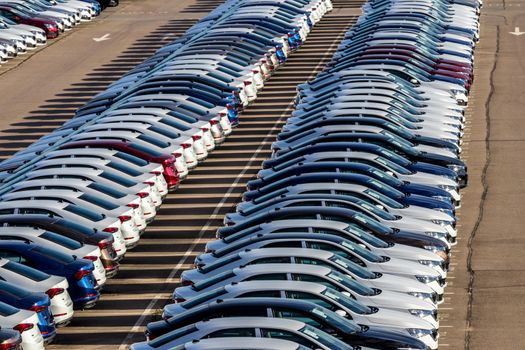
pixel 54 286
pixel 25 322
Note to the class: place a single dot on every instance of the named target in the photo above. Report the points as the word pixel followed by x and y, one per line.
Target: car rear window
pixel 117 179
pixel 106 190
pixel 98 201
pixel 61 240
pixel 54 254
pixel 26 271
pixel 153 141
pixel 124 169
pixel 16 292
pixel 85 213
pixel 131 158
pixel 7 310
pixel 144 149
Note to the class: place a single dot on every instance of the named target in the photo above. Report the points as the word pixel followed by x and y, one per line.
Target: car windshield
pixel 350 283
pixel 392 166
pixel 203 297
pixel 220 262
pixel 375 210
pixel 26 271
pixel 383 199
pixel 394 157
pixel 386 189
pixel 327 340
pixel 370 223
pixel 347 302
pixel 393 181
pixel 365 253
pixel 352 267
pixel 201 285
pixel 366 237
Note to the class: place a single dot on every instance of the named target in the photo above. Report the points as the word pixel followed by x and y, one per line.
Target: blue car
pixel 79 272
pixel 38 302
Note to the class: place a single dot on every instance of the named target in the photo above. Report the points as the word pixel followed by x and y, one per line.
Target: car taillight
pixel 143 194
pixel 22 327
pixel 110 230
pixel 91 257
pixel 133 205
pixel 196 137
pixel 204 129
pixel 213 122
pixel 80 274
pixel 179 300
pixel 247 82
pixel 186 283
pixel 151 183
pixel 229 106
pixel 104 244
pixel 124 218
pixel 186 145
pixel 156 173
pixel 10 344
pixel 51 293
pixel 37 308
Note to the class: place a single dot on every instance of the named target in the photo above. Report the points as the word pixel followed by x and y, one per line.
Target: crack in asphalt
pixel 472 236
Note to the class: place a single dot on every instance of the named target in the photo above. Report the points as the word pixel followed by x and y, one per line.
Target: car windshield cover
pixel 61 240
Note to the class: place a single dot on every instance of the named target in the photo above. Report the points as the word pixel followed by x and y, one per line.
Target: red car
pixel 47 24
pixel 167 161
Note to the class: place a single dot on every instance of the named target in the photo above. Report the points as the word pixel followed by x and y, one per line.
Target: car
pixel 25 323
pixel 73 230
pixel 58 242
pixel 239 343
pixel 50 27
pixel 421 303
pixel 299 256
pixel 32 301
pixel 55 287
pixel 10 340
pixel 247 327
pixel 306 311
pixel 82 284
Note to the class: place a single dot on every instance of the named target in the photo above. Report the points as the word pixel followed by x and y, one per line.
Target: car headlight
pixel 424 296
pixel 443 222
pixel 457 168
pixel 422 313
pixel 447 187
pixel 440 235
pixel 427 279
pixel 430 263
pixel 418 332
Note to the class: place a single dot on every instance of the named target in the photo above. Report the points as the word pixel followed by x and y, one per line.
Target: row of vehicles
pixel 74 202
pixel 27 24
pixel 343 240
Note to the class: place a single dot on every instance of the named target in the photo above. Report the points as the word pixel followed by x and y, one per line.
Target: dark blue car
pixel 38 302
pixel 78 272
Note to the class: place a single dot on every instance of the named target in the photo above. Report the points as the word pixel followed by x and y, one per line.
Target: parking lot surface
pixel 482 308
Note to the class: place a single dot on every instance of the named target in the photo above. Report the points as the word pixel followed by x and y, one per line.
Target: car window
pixel 7 310
pixel 272 260
pixel 203 297
pixel 131 158
pixel 262 294
pixel 98 201
pixel 83 212
pixel 124 169
pixel 268 277
pixel 286 335
pixel 213 280
pixel 168 337
pixel 236 332
pixel 26 271
pixel 61 240
pixel 106 190
pixel 12 256
pixel 53 254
